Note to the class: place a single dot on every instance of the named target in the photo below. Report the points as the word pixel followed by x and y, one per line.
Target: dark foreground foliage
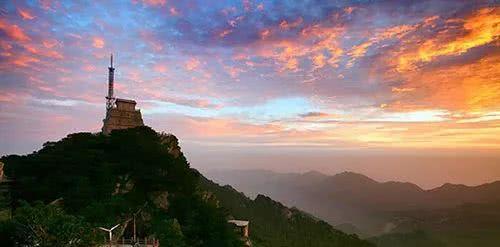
pixel 105 180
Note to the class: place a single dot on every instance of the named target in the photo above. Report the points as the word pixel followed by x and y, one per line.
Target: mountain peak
pixel 353 176
pixel 450 187
pixel 350 179
pixel 313 173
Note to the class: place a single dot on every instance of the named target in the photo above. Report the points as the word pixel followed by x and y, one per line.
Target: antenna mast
pixel 111 79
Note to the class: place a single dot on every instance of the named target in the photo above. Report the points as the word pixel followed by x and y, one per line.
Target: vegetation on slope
pixel 272 224
pixel 106 180
pixel 471 224
pixel 411 239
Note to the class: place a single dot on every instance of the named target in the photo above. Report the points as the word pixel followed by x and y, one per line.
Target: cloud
pixel 220 128
pixel 314 115
pixel 98 42
pixel 48 4
pixel 192 64
pixel 196 103
pixel 24 61
pixel 173 11
pixel 471 87
pixel 318 43
pixel 476 118
pixel 8 97
pixel 395 32
pixel 234 72
pixel 150 38
pixel 402 90
pixel 13 31
pixel 25 14
pixel 478 29
pixel 224 33
pixel 284 24
pixel 161 68
pixel 154 3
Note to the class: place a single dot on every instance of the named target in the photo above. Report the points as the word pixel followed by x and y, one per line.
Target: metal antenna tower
pixel 110 99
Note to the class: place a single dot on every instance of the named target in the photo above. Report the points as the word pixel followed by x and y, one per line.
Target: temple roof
pixel 239 222
pixel 126 101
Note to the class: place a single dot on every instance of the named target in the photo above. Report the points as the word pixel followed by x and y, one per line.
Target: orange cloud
pixel 312 41
pixel 161 68
pixel 481 28
pixel 234 72
pixel 24 61
pixel 8 97
pixel 46 4
pixel 13 31
pixel 89 68
pixel 389 33
pixel 319 61
pixel 25 14
pixel 50 43
pixel 98 42
pixel 265 33
pixel 224 33
pixel 192 64
pixel 437 135
pixel 402 90
pixel 286 25
pixel 470 87
pixel 211 127
pixel 154 2
pixel 43 51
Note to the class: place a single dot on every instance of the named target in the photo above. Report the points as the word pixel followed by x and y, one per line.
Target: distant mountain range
pixel 356 203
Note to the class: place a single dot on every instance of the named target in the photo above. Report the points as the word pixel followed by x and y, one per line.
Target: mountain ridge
pixel 316 173
pixel 354 198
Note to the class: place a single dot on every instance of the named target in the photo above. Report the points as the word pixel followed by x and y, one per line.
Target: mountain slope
pixel 354 198
pixel 106 180
pixel 272 224
pixel 470 224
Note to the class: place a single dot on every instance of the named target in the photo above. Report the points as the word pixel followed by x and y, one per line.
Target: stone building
pixel 120 113
pixel 241 226
pixel 122 116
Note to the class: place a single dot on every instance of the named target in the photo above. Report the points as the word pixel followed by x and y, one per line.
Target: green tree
pixel 48 225
pixel 169 233
pixel 106 179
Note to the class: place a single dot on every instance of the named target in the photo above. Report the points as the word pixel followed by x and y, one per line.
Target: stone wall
pixel 122 118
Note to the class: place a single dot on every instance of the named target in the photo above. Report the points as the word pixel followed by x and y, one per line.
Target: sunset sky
pixel 250 82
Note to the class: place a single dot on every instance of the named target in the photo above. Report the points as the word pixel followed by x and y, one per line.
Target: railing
pixel 137 243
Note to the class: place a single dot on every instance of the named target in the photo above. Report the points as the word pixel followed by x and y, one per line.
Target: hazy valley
pixel 358 204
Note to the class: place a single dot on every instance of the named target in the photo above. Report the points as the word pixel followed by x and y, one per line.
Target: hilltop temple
pixel 120 113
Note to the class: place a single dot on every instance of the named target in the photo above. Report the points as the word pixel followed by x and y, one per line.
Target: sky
pixel 282 85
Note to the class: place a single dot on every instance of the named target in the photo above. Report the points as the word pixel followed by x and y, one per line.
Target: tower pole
pixel 111 80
